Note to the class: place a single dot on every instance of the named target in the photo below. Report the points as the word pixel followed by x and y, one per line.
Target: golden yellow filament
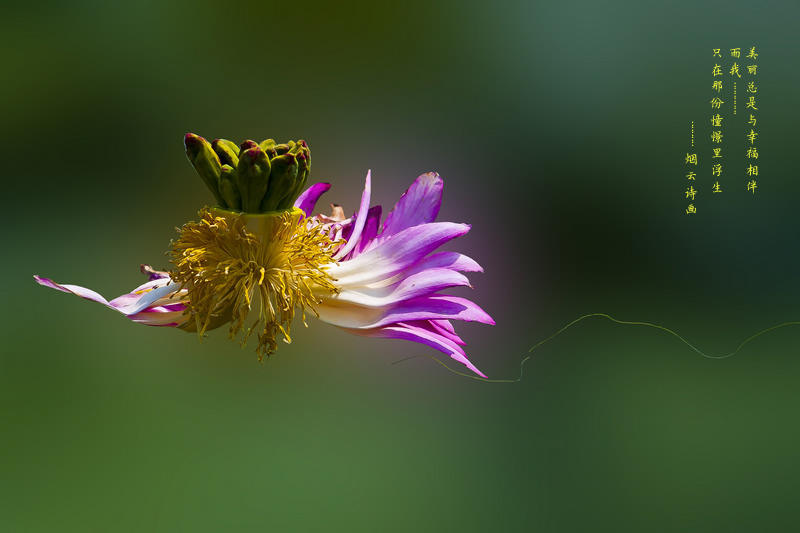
pixel 229 261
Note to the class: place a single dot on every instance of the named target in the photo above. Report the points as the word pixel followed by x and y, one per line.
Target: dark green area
pixel 560 131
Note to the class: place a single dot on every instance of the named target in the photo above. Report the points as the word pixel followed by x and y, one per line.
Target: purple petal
pixel 308 198
pixel 150 298
pixel 435 307
pixel 443 328
pixel 451 260
pixel 418 205
pixel 429 281
pixel 361 219
pixel 421 284
pixel 130 300
pixel 154 318
pixel 152 273
pixel 370 230
pixel 396 253
pixel 345 314
pixel 348 225
pixel 423 336
pixel 83 292
pixel 172 307
pixel 446 325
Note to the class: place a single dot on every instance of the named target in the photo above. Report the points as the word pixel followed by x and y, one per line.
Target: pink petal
pixel 418 205
pixel 435 307
pixel 370 230
pixel 345 314
pixel 361 219
pixel 443 328
pixel 423 336
pixel 420 284
pixel 308 198
pixel 149 303
pixel 396 253
pixel 451 260
pixel 83 292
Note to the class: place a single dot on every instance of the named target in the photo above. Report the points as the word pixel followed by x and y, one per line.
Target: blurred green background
pixel 560 130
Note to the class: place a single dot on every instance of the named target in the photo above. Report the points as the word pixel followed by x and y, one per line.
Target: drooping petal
pixel 144 294
pixel 395 254
pixel 424 336
pixel 152 317
pixel 418 205
pixel 308 198
pixel 157 302
pixel 77 290
pixel 156 296
pixel 361 219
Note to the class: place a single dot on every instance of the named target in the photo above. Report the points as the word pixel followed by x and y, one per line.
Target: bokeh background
pixel 560 130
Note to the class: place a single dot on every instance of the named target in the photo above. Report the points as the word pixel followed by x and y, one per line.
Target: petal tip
pixel 467 363
pixel 432 176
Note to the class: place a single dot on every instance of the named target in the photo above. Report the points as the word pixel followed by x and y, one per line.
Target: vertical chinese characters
pixel 717 118
pixel 691 166
pixel 751 107
pixel 734 86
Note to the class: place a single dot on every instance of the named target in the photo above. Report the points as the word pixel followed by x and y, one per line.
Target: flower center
pixel 229 262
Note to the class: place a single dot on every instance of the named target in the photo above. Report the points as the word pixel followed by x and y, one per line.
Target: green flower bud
pixel 227 151
pixel 205 162
pixel 253 173
pixel 282 181
pixel 228 188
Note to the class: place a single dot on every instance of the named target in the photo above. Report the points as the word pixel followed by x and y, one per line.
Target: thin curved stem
pixel 615 320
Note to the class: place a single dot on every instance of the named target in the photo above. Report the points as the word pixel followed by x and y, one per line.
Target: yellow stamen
pixel 225 267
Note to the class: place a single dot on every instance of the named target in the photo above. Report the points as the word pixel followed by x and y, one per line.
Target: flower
pixel 261 248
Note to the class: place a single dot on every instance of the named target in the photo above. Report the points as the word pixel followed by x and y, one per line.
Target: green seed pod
pixel 253 178
pixel 228 189
pixel 303 168
pixel 284 148
pixel 267 144
pixel 246 145
pixel 296 148
pixel 227 151
pixel 281 181
pixel 205 162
